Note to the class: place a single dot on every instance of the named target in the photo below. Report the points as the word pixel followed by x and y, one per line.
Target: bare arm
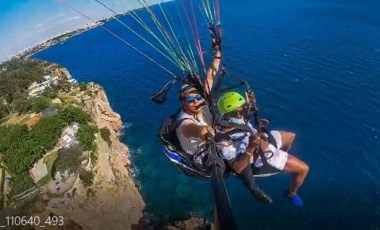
pixel 190 129
pixel 238 164
pixel 211 72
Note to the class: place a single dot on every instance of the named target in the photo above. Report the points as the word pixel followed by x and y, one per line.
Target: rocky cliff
pixel 112 201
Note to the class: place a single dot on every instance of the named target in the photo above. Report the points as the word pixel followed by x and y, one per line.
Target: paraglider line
pixel 120 38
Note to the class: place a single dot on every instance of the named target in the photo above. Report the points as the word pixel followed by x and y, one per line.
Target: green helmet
pixel 229 102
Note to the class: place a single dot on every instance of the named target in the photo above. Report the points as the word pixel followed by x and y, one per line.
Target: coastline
pixel 81 214
pixel 115 202
pixel 93 187
pixel 59 38
pixel 108 199
pixel 62 37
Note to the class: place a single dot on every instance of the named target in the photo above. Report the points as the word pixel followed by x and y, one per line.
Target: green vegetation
pixel 64 85
pixel 24 104
pixel 15 78
pixel 4 110
pixel 105 133
pixel 86 177
pixel 20 183
pixel 49 161
pixel 86 136
pixel 68 159
pixel 46 132
pixel 40 104
pixel 94 156
pixel 51 92
pixel 67 101
pixel 82 86
pixel 86 132
pixel 74 114
pixel 22 148
pixel 17 75
pixel 30 204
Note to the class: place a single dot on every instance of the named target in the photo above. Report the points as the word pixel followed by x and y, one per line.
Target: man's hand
pixel 251 101
pixel 206 132
pixel 263 125
pixel 216 44
pixel 251 97
pixel 254 141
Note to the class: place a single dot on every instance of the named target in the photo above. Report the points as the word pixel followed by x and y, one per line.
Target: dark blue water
pixel 315 68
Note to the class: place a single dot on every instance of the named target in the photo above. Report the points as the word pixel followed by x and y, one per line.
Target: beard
pixel 201 105
pixel 194 109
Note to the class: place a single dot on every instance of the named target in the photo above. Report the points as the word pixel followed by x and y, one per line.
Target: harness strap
pixel 190 159
pixel 245 127
pixel 262 155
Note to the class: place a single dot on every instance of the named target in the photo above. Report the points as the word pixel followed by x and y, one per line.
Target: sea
pixel 315 68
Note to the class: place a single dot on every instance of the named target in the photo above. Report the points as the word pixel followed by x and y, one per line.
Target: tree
pixel 86 135
pixel 51 92
pixel 86 177
pixel 82 86
pixel 64 85
pixel 74 114
pixel 4 109
pixel 39 103
pixel 68 159
pixel 106 134
pixel 17 76
pixel 21 182
pixel 22 148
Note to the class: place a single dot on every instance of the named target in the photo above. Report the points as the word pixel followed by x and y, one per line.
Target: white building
pixel 36 89
pixel 68 137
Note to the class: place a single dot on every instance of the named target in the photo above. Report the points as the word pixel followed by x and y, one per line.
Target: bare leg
pixel 287 139
pixel 299 170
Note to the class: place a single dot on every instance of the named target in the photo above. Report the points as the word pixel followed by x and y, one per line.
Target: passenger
pixel 195 118
pixel 239 148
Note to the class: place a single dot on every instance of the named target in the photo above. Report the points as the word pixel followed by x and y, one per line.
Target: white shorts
pixel 276 157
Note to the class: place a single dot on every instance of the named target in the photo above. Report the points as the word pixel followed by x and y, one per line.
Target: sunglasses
pixel 191 99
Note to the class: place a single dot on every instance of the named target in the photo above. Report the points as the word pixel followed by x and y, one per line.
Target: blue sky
pixel 25 23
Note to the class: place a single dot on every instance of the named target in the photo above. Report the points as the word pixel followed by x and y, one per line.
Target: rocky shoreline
pixel 92 185
pixel 60 38
pixel 113 200
pixel 57 39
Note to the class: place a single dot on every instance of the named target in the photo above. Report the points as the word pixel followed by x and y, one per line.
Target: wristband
pixel 215 57
pixel 250 154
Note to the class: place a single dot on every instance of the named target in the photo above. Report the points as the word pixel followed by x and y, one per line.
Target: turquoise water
pixel 315 68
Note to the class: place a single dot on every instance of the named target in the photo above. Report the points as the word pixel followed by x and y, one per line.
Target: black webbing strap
pixel 223 211
pixel 246 128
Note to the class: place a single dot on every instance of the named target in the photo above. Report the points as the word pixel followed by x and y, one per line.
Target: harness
pixel 229 135
pixel 244 127
pixel 168 135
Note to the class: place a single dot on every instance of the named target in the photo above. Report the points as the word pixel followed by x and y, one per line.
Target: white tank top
pixel 193 145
